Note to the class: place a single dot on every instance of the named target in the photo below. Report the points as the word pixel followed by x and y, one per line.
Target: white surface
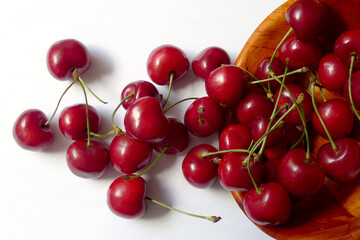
pixel 39 196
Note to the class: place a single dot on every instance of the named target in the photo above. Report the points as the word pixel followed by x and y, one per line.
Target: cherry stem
pixel 253 76
pixel 353 57
pixel 128 177
pixel 87 114
pixel 102 135
pixel 172 74
pixel 174 104
pixel 335 148
pixel 213 219
pixel 223 151
pixel 278 46
pixel 319 85
pixel 298 141
pixel 87 87
pixel 58 104
pixel 300 70
pixel 117 108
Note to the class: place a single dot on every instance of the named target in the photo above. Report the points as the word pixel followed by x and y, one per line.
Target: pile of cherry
pixel 263 123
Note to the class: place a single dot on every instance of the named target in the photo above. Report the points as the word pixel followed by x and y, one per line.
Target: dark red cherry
pixel 139 89
pixel 200 171
pixel 346 44
pixel 355 90
pixel 165 60
pixel 342 165
pixel 225 84
pixel 208 60
pixel 234 175
pixel 145 121
pixel 87 161
pixel 355 132
pixel 292 136
pixel 258 129
pixel 300 176
pixel 64 56
pixel 337 116
pixel 300 54
pixel 30 132
pixel 332 72
pixel 307 18
pixel 128 155
pixel 235 136
pixel 269 208
pixel 73 123
pixel 203 117
pixel 126 198
pixel 177 140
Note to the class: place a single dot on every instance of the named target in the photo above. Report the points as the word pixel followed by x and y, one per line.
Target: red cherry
pixel 273 158
pixel 65 56
pixel 126 198
pixel 165 60
pixel 258 129
pixel 225 84
pixel 139 89
pixel 300 176
pixel 337 116
pixel 145 121
pixel 30 132
pixel 73 123
pixel 355 132
pixel 342 165
pixel 208 60
pixel 292 136
pixel 87 161
pixel 235 136
pixel 269 208
pixel 347 44
pixel 355 89
pixel 128 155
pixel 200 171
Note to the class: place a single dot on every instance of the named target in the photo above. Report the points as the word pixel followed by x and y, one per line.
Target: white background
pixel 39 197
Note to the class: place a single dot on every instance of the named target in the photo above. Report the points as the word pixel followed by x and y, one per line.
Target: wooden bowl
pixel 334 212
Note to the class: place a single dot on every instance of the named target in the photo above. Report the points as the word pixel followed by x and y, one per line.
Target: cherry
pixel 347 44
pixel 300 176
pixel 270 207
pixel 200 171
pixel 139 89
pixel 251 106
pixel 342 164
pixel 333 73
pixel 355 132
pixel 145 121
pixel 126 198
pixel 176 141
pixel 30 131
pixel 87 161
pixel 225 84
pixel 203 117
pixel 164 61
pixel 208 60
pixel 259 128
pixel 64 56
pixel 292 136
pixel 128 155
pixel 229 116
pixel 355 89
pixel 307 18
pixel 233 173
pixel 235 136
pixel 73 122
pixel 337 117
pixel 300 54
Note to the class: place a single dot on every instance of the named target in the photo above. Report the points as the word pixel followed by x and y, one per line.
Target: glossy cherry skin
pixel 139 89
pixel 200 171
pixel 177 140
pixel 300 54
pixel 251 106
pixel 128 155
pixel 269 208
pixel 343 165
pixel 30 133
pixel 258 129
pixel 145 121
pixel 355 90
pixel 234 176
pixel 203 117
pixel 126 198
pixel 332 72
pixel 87 162
pixel 300 176
pixel 73 123
pixel 235 136
pixel 64 56
pixel 225 84
pixel 208 60
pixel 273 158
pixel 163 61
pixel 307 18
pixel 294 117
pixel 337 116
pixel 346 44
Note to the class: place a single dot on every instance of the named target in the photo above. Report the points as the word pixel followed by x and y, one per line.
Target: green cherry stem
pixel 353 57
pixel 87 87
pixel 223 151
pixel 300 70
pixel 87 114
pixel 278 46
pixel 174 104
pixel 319 85
pixel 169 91
pixel 213 219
